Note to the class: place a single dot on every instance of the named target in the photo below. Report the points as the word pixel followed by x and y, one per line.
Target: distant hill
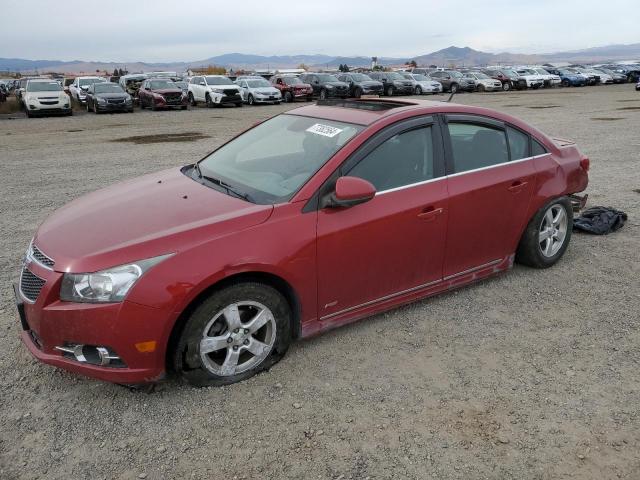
pixel 451 56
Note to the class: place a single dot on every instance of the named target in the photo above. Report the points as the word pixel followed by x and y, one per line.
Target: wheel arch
pixel 266 278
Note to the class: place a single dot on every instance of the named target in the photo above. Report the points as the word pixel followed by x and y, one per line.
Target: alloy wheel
pixel 553 230
pixel 238 338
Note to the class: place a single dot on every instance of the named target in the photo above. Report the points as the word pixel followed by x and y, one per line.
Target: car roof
pixel 368 111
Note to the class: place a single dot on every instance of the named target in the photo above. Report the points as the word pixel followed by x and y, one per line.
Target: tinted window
pixel 403 159
pixel 476 146
pixel 537 148
pixel 518 144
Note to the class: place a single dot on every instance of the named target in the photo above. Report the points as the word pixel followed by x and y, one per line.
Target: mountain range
pixel 451 56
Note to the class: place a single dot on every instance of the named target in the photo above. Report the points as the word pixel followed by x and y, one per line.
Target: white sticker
pixel 325 130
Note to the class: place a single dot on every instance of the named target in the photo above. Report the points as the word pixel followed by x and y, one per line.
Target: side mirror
pixel 351 191
pixel 202 83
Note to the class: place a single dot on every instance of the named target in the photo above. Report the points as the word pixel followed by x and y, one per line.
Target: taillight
pixel 585 163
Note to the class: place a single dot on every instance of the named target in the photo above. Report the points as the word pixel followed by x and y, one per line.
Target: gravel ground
pixel 533 374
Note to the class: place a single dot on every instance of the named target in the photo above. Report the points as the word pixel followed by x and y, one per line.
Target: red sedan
pixel 312 219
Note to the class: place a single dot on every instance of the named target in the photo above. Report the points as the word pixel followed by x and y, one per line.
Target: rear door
pixel 395 242
pixel 491 177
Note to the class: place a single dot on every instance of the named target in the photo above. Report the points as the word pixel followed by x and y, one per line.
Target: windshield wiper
pixel 227 187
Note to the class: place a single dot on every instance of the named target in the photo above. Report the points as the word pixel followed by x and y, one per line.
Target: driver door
pixel 395 242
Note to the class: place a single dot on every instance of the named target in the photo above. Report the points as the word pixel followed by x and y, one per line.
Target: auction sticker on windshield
pixel 325 130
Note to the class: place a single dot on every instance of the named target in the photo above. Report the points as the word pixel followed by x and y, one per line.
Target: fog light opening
pixel 93 355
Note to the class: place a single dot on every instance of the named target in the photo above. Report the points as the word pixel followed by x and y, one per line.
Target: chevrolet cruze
pixel 312 219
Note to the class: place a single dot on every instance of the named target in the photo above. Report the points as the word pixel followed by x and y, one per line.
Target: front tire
pixel 481 88
pixel 208 101
pixel 547 236
pixel 250 100
pixel 234 334
pixel 288 98
pixel 192 100
pixel 418 91
pixel 389 91
pixel 357 93
pixel 506 86
pixel 323 94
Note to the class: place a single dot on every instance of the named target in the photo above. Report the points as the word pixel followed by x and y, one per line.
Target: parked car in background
pixel 108 97
pixel 21 86
pixel 78 89
pixel 638 86
pixel 484 83
pixel 408 76
pixel 258 90
pixel 310 220
pixel 131 83
pixel 159 92
pixel 568 78
pixel 43 97
pixel 361 84
pixel 600 77
pixel 453 81
pixel 326 85
pixel 549 79
pixel 617 77
pixel 426 84
pixel 214 91
pixel 589 78
pixel 509 78
pixel 292 88
pixel 534 80
pixel 631 71
pixel 182 85
pixel 393 83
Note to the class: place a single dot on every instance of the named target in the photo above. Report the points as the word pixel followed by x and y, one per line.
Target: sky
pixel 178 30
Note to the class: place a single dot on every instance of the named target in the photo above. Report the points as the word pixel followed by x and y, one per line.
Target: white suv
pixel 550 80
pixel 41 97
pixel 78 89
pixel 214 90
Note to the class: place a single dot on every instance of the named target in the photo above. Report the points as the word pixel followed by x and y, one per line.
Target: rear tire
pixel 323 94
pixel 357 92
pixel 288 98
pixel 454 88
pixel 222 324
pixel 389 91
pixel 547 235
pixel 192 100
pixel 506 86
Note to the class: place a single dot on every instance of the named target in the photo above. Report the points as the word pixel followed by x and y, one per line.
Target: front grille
pixel 30 285
pixel 115 101
pixel 48 102
pixel 230 92
pixel 41 257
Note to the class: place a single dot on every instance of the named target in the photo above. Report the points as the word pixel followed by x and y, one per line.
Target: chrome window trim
pixel 390 190
pixel 412 289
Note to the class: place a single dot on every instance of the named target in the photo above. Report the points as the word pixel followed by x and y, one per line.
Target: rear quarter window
pixel 537 148
pixel 518 144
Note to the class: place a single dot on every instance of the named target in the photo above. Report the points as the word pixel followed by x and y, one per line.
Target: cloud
pixel 172 30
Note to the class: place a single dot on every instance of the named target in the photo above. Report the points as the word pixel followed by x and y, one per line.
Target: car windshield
pixel 257 83
pixel 218 81
pixel 108 88
pixel 408 76
pixel 420 78
pixel 292 80
pixel 327 78
pixel 182 85
pixel 395 76
pixel 43 87
pixel 360 77
pixel 541 71
pixel 89 81
pixel 273 160
pixel 510 73
pixel 160 84
pixel 455 74
pixel 565 72
pixel 480 76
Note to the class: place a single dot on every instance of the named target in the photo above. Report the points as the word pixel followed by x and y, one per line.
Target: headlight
pixel 110 285
pixel 329 87
pixel 216 90
pixel 128 99
pixel 101 100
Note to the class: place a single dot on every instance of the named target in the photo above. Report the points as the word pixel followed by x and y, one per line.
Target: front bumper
pixel 37 107
pixel 221 99
pixel 114 107
pixel 48 323
pixel 267 98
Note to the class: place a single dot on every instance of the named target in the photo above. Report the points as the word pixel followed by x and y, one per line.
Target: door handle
pixel 430 213
pixel 517 186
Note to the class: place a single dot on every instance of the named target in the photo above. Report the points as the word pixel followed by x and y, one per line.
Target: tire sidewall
pixel 529 252
pixel 187 360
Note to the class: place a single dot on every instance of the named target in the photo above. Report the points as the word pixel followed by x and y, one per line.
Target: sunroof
pixel 372 105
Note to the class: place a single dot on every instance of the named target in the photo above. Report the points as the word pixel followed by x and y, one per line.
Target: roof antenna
pixel 451 96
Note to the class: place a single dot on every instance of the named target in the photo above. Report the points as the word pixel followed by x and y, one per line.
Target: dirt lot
pixel 532 375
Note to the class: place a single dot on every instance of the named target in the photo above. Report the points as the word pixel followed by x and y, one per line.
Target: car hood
pixel 370 83
pixel 336 84
pixel 265 90
pixel 224 87
pixel 163 91
pixel 111 95
pixel 152 215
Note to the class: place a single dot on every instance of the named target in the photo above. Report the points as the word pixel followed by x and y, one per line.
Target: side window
pixel 404 159
pixel 537 148
pixel 476 146
pixel 518 144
